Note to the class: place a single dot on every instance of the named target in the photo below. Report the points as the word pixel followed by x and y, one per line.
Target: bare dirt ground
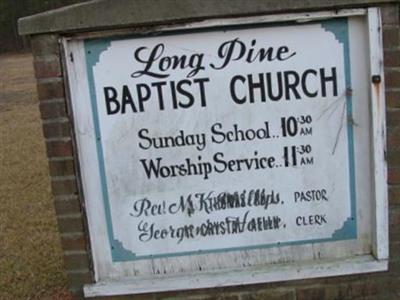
pixel 31 264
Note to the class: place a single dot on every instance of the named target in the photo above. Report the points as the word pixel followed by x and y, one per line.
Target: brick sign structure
pixel 245 148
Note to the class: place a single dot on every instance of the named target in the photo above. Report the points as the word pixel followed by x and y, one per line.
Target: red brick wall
pixel 59 143
pixel 70 210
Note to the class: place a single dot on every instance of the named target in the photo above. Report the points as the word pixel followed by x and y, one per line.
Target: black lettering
pixel 292 80
pixel 325 79
pixel 110 96
pixel 142 97
pixel 234 96
pixel 127 99
pixel 306 91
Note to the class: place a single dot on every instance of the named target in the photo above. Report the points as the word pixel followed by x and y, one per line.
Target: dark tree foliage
pixel 12 10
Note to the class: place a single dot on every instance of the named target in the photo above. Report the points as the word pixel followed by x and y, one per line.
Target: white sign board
pixel 225 145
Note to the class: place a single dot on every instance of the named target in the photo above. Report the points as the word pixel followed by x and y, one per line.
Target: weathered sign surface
pixel 243 142
pixel 224 140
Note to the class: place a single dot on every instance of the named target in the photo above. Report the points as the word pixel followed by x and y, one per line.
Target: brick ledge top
pixel 114 14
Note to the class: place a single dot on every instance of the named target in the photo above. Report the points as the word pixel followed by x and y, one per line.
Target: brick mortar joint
pixel 72 235
pixel 63 178
pixel 52 100
pixel 47 57
pixel 392 48
pixel 64 140
pixel 58 139
pixel 62 120
pixel 70 216
pixel 391 26
pixel 63 158
pixel 78 271
pixel 66 198
pixel 57 79
pixel 390 131
pixel 75 252
pixel 270 292
pixel 392 69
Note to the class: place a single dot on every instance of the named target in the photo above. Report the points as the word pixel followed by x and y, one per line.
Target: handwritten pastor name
pixel 207 202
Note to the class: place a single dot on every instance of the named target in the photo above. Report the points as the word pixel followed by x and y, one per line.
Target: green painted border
pixel 340 28
pixel 94 48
